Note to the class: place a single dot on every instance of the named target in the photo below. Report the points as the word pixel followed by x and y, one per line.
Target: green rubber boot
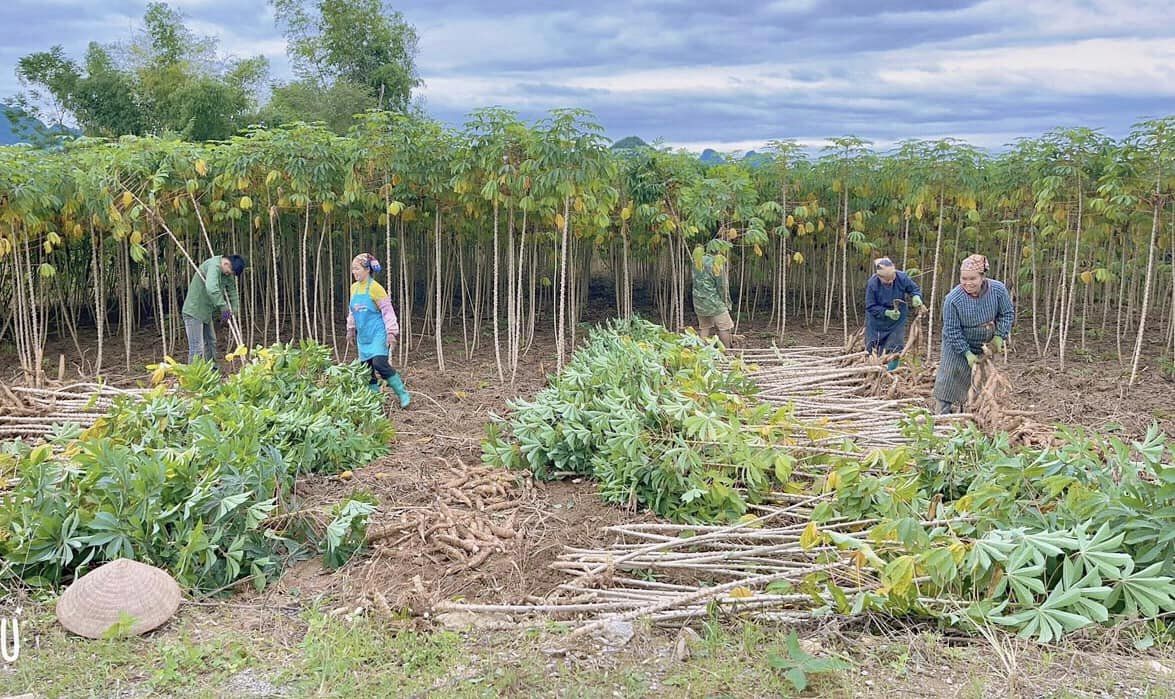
pixel 892 364
pixel 397 385
pixel 374 387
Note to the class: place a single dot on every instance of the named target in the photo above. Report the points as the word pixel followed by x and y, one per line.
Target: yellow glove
pixel 997 343
pixel 971 359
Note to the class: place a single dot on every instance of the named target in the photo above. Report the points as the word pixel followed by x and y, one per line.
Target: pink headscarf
pixel 974 263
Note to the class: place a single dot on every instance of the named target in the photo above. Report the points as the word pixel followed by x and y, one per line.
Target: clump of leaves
pixel 191 480
pixel 798 665
pixel 658 418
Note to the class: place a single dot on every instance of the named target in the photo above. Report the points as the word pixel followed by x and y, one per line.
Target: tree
pixel 166 79
pixel 306 100
pixel 360 42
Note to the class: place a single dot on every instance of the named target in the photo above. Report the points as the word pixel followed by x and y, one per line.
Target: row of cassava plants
pixel 495 230
pixel 961 527
pixel 198 480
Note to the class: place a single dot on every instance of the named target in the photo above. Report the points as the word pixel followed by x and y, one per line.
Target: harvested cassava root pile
pixel 989 401
pixel 35 413
pixel 475 515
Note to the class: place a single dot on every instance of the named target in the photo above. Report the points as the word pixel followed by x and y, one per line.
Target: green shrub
pixel 191 480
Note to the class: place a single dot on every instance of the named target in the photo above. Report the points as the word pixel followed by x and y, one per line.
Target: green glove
pixel 893 314
pixel 971 359
pixel 916 302
pixel 997 343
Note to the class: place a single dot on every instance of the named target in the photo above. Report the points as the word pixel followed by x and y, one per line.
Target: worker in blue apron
pixel 372 325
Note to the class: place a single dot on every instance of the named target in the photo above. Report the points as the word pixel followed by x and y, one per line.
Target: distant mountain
pixel 18 127
pixel 756 159
pixel 630 142
pixel 711 157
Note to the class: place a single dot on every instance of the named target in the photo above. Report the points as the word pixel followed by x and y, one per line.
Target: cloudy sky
pixel 732 74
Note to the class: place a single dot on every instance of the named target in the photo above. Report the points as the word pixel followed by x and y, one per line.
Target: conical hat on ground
pixel 116 592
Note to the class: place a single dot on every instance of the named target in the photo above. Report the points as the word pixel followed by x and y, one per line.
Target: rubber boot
pixel 397 385
pixel 892 364
pixel 374 387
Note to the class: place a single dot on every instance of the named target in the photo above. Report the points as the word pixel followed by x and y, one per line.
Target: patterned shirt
pixel 711 287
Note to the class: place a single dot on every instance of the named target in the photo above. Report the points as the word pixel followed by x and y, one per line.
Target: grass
pixel 206 652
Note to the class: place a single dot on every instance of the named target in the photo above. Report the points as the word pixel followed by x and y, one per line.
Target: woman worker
pixel 976 313
pixel 885 309
pixel 372 321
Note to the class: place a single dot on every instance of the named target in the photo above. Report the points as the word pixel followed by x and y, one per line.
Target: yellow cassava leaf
pixel 626 213
pixel 798 257
pixel 810 536
pixel 1087 277
pixel 741 592
pixel 202 167
pixel 560 221
pixel 245 204
pixel 790 222
pixel 128 198
pixel 832 481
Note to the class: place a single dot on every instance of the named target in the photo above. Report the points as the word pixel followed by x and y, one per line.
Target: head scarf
pixel 367 260
pixel 882 262
pixel 974 263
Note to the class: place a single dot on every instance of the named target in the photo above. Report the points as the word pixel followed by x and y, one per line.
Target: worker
pixel 372 325
pixel 887 309
pixel 977 316
pixel 212 292
pixel 711 290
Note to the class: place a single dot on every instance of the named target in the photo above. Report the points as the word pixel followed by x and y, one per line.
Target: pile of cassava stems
pixel 989 402
pixel 37 413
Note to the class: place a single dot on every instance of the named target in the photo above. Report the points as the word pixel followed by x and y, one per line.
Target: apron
pixel 371 336
pixel 891 339
pixel 953 381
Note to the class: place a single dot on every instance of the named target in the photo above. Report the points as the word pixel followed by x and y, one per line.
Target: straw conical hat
pixel 105 596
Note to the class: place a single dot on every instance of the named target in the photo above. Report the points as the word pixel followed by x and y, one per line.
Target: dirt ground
pixel 442 432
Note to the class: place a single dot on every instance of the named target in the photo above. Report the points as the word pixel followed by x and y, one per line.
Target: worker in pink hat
pixel 976 314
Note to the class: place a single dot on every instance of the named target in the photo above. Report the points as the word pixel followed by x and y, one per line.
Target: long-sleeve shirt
pixel 383 302
pixel 212 294
pixel 966 319
pixel 880 297
pixel 711 287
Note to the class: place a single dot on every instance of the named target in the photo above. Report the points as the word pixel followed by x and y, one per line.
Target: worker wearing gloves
pixel 976 315
pixel 887 309
pixel 372 324
pixel 212 293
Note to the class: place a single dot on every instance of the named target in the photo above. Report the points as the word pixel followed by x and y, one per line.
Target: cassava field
pixel 585 499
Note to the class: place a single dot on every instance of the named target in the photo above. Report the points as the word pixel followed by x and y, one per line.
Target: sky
pixel 731 75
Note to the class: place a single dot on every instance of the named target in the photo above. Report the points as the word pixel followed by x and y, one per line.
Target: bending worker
pixel 886 309
pixel 976 314
pixel 212 293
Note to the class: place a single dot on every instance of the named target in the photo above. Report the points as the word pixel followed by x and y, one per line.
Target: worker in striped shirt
pixel 977 315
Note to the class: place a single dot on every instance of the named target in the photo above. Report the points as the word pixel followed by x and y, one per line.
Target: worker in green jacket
pixel 213 292
pixel 711 289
